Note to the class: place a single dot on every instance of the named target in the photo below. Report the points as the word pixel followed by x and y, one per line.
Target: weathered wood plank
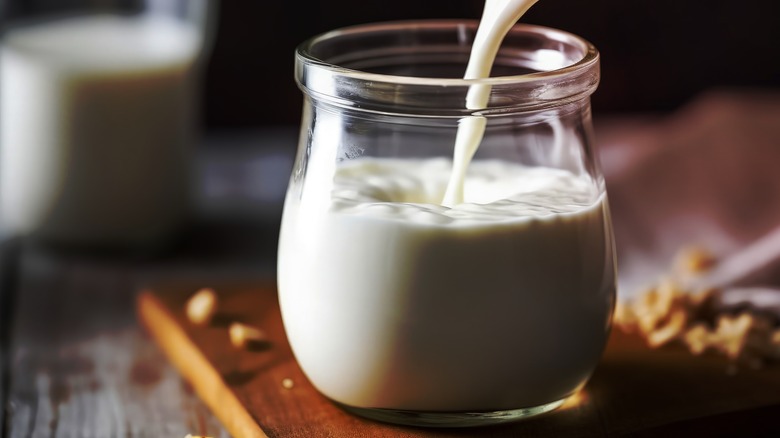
pixel 81 366
pixel 9 264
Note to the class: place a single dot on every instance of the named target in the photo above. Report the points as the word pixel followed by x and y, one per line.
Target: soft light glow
pixel 577 399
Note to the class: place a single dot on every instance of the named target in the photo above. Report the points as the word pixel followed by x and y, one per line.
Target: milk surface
pixel 391 300
pixel 94 127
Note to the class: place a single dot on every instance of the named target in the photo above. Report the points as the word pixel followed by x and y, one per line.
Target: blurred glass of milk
pixel 97 118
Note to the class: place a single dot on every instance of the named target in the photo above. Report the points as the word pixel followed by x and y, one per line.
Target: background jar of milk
pixel 97 115
pixel 406 308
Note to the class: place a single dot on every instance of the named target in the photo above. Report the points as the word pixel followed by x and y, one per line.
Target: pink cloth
pixel 708 174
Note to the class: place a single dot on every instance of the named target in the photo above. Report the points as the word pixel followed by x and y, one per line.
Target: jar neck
pixel 414 68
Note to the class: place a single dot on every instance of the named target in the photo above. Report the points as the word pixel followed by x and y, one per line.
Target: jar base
pixel 450 419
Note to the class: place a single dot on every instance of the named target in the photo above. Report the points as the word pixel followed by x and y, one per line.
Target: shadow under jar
pixel 403 310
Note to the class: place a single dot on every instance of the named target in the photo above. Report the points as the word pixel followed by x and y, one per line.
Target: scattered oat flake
pixel 669 312
pixel 696 260
pixel 202 306
pixel 287 383
pixel 241 335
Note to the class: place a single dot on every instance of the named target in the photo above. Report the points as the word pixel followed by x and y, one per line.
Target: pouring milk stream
pixel 497 19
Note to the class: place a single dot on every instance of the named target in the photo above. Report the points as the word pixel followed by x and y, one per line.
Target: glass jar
pixel 401 309
pixel 98 104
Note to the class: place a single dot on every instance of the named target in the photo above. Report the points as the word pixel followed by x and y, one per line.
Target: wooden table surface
pixel 75 362
pixel 636 391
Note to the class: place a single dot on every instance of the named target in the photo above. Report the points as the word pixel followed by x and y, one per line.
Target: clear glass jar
pixel 98 105
pixel 400 309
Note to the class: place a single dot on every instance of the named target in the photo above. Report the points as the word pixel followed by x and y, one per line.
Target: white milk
pixel 94 126
pixel 502 302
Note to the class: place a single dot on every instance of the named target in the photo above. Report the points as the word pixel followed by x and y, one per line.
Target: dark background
pixel 656 54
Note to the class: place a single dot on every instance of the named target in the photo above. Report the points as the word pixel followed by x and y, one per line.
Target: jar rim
pixel 557 67
pixel 303 53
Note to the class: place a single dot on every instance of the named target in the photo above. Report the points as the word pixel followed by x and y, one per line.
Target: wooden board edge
pixel 193 366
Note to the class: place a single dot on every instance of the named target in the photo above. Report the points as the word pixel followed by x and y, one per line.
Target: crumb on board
pixel 667 313
pixel 202 306
pixel 287 383
pixel 243 335
pixel 695 260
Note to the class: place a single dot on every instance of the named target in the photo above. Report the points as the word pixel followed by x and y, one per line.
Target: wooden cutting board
pixel 634 392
